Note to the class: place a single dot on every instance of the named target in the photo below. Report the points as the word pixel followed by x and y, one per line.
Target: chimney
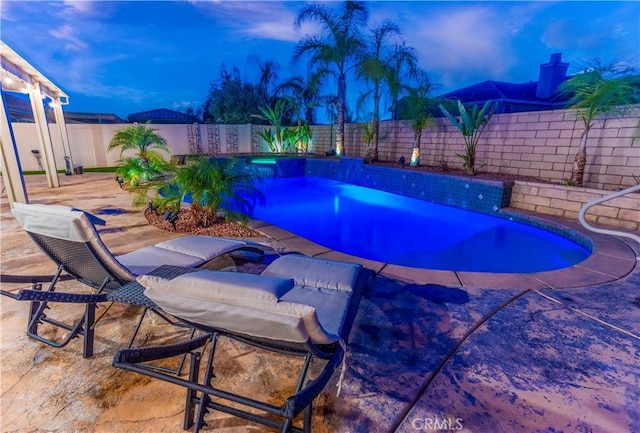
pixel 552 74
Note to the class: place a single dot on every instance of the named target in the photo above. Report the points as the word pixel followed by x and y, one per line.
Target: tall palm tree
pixel 600 90
pixel 304 95
pixel 403 68
pixel 374 67
pixel 337 47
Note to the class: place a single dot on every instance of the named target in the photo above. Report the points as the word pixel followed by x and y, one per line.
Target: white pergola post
pixel 62 129
pixel 44 138
pixel 9 159
pixel 19 76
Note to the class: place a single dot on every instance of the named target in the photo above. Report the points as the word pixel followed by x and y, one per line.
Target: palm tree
pixel 141 138
pixel 304 95
pixel 600 90
pixel 148 163
pixel 374 67
pixel 214 185
pixel 418 108
pixel 338 47
pixel 403 68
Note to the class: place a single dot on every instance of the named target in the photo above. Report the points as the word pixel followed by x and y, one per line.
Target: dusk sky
pixel 125 57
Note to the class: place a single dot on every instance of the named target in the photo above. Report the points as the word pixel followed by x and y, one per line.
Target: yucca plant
pixel 267 135
pixel 471 123
pixel 274 115
pixel 296 139
pixel 600 90
pixel 213 185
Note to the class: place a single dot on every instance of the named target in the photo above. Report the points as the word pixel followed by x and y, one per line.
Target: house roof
pixel 500 90
pixel 162 115
pixel 20 111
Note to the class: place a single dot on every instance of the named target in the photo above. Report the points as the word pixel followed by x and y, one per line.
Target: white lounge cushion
pixel 242 303
pixel 186 251
pixel 56 221
pixel 229 287
pixel 204 247
pixel 315 272
pixel 331 305
pixel 62 222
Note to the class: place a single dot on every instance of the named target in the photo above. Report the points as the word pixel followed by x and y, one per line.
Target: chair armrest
pixel 154 353
pixel 75 298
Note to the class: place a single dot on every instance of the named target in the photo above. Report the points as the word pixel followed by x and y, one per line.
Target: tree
pixel 403 68
pixel 232 100
pixel 471 123
pixel 304 95
pixel 147 163
pixel 600 90
pixel 418 109
pixel 338 47
pixel 140 138
pixel 375 67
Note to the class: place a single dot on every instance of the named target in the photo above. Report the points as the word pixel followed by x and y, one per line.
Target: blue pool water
pixel 395 229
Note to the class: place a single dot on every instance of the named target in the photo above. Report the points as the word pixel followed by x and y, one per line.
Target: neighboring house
pixel 20 112
pixel 515 97
pixel 162 115
pixel 518 97
pixel 101 118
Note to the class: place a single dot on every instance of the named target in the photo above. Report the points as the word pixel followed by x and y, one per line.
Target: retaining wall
pixel 566 201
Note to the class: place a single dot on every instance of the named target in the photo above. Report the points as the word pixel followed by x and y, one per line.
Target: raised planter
pixel 566 201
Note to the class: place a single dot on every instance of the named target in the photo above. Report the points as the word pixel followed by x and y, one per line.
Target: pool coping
pixel 610 260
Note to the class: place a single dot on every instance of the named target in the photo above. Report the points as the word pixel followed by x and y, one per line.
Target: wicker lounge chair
pixel 70 239
pixel 298 305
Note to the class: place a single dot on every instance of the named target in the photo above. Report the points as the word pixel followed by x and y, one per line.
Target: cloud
pixel 69 34
pixel 83 8
pixel 462 42
pixel 263 20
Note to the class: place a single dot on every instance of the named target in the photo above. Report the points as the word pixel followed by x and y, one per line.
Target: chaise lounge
pixel 298 305
pixel 68 236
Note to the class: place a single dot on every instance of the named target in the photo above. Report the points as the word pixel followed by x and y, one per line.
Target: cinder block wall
pixel 566 201
pixel 540 144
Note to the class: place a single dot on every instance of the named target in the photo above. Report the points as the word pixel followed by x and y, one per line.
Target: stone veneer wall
pixel 540 144
pixel 565 201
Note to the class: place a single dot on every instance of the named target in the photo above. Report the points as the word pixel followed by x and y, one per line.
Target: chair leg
pixel 89 318
pixel 84 326
pixel 190 405
pixel 307 418
pixel 177 371
pixel 204 398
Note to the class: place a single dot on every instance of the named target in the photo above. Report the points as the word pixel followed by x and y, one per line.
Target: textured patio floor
pixel 552 352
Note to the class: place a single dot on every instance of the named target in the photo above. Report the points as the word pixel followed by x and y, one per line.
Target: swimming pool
pixel 405 231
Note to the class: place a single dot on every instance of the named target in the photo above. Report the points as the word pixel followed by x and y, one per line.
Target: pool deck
pixel 550 351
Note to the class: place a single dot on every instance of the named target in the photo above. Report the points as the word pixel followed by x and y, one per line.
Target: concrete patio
pixel 430 350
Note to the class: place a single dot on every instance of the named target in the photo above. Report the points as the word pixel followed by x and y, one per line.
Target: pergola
pixel 19 76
